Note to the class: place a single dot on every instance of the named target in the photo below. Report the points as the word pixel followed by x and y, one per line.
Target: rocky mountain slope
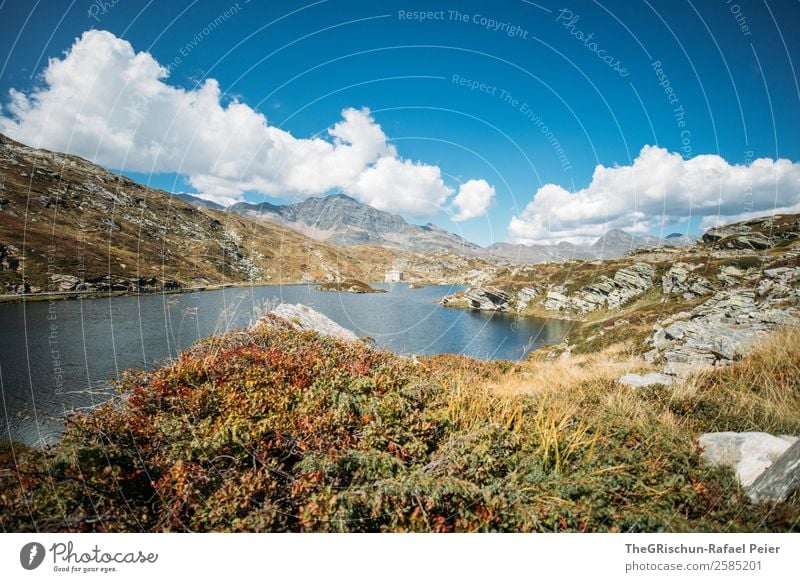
pixel 342 220
pixel 684 308
pixel 67 225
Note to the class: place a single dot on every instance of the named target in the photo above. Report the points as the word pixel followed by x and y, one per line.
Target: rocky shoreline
pixel 706 305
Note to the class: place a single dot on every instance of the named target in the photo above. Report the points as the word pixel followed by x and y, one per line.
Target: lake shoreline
pixel 73 295
pixel 71 348
pixel 78 295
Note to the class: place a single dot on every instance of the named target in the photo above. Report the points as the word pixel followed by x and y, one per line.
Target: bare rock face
pixel 557 301
pixel 714 235
pixel 730 275
pixel 525 296
pixel 749 454
pixel 756 234
pixel 304 318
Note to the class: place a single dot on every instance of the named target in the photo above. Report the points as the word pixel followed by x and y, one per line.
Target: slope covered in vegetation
pixel 276 430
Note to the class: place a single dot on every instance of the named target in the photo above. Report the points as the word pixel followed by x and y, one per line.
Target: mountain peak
pixel 342 196
pixel 343 220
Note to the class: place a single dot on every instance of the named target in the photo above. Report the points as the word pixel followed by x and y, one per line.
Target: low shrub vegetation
pixel 277 430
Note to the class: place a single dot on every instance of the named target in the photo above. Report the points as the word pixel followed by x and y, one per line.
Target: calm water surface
pixel 59 356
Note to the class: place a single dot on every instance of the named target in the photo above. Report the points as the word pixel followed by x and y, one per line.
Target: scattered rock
pixel 305 318
pixel 723 328
pixel 749 454
pixel 651 379
pixel 9 257
pixel 64 282
pixel 111 224
pixel 680 280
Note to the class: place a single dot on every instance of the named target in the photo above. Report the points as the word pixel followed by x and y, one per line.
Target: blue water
pixel 60 356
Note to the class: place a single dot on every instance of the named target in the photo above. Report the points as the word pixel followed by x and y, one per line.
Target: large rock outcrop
pixel 304 318
pixel 723 328
pixel 610 292
pixel 525 296
pixel 756 234
pixel 480 298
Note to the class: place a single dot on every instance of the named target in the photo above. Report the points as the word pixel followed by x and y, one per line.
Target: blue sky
pixel 472 95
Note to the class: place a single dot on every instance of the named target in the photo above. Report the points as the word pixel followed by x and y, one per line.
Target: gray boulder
pixel 780 480
pixel 749 454
pixel 304 318
pixel 755 241
pixel 716 234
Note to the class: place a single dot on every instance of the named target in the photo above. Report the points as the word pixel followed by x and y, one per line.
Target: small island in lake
pixel 349 286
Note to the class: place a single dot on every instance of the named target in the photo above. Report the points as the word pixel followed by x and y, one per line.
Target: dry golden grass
pixel 567 374
pixel 569 403
pixel 762 392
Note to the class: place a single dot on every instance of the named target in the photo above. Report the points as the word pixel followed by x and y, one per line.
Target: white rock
pixel 748 453
pixel 651 379
pixel 304 318
pixel 525 296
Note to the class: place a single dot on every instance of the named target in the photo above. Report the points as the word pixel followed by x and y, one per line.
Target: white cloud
pixel 658 188
pixel 105 102
pixel 474 198
pixel 402 186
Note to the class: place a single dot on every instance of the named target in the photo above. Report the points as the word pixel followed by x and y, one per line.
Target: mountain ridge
pixel 344 221
pixel 69 226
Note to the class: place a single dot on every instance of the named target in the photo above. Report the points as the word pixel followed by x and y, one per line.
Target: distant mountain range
pixel 344 221
pixel 613 244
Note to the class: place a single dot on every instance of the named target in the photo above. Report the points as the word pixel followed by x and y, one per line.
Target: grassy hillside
pixel 62 215
pixel 275 430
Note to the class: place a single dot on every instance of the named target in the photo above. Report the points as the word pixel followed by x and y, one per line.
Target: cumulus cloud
pixel 402 186
pixel 660 187
pixel 112 105
pixel 474 199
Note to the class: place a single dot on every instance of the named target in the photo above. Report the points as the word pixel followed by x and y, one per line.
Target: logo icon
pixel 31 555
